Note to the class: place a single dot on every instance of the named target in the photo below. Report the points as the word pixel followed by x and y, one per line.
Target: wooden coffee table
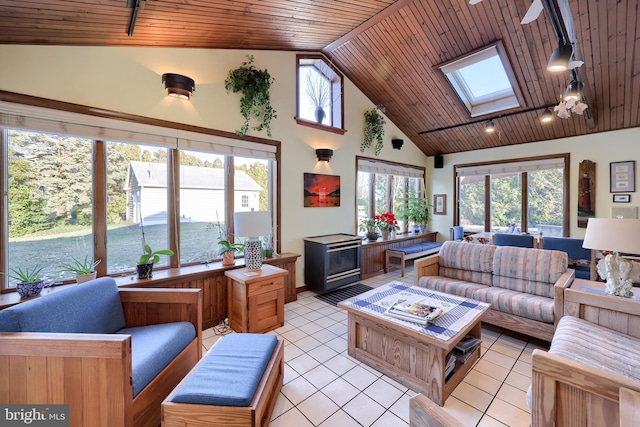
pixel 412 354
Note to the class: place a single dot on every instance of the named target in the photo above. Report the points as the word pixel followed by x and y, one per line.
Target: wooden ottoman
pixel 235 384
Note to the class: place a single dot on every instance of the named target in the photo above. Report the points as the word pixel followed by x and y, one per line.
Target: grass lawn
pixel 124 247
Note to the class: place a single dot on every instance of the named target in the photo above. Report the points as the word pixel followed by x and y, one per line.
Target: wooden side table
pixel 256 299
pixel 586 299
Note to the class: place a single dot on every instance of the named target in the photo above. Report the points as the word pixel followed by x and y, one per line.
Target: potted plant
pixel 319 92
pixel 148 259
pixel 228 251
pixel 371 226
pixel 416 210
pixel 254 85
pixel 30 282
pixel 388 224
pixel 373 128
pixel 84 270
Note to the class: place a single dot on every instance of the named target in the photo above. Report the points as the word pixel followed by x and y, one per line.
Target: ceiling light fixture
pixel 489 127
pixel 574 90
pixel 559 60
pixel 178 85
pixel 547 116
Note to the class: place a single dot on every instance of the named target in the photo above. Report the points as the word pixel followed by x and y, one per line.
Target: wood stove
pixel 332 261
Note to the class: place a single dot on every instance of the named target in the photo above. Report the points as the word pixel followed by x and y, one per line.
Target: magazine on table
pixel 413 311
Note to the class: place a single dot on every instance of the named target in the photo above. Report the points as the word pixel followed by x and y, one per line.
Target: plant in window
pixel 319 92
pixel 254 85
pixel 371 226
pixel 30 281
pixel 84 270
pixel 373 128
pixel 416 210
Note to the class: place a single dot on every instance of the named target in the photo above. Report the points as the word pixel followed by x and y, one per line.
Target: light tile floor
pixel 323 386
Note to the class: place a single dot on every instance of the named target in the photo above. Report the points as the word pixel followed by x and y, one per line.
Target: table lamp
pixel 615 235
pixel 252 225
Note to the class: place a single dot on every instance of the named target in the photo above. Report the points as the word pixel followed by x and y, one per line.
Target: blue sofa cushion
pixel 93 307
pixel 153 347
pixel 579 257
pixel 230 372
pixel 418 247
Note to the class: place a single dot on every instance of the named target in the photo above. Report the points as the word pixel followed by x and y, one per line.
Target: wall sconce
pixel 324 154
pixel 559 60
pixel 178 85
pixel 489 127
pixel 397 143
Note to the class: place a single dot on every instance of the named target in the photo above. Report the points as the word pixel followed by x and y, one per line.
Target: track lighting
pixel 559 60
pixel 547 116
pixel 489 127
pixel 574 90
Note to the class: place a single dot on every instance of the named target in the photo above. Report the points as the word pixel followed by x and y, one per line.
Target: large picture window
pixel 384 187
pixel 85 186
pixel 529 195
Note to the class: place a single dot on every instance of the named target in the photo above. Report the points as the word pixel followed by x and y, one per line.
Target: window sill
pixel 319 126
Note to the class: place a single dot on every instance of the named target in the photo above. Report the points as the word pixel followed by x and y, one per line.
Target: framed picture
pixel 439 204
pixel 622 198
pixel 321 191
pixel 623 177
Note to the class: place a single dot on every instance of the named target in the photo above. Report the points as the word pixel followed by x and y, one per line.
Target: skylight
pixel 482 82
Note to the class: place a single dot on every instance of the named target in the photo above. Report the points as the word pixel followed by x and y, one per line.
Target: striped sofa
pixel 524 286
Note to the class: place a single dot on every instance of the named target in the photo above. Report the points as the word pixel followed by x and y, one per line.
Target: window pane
pixel 202 205
pixel 137 202
pixel 381 195
pixel 506 202
pixel 545 195
pixel 472 203
pixel 252 188
pixel 363 194
pixel 49 202
pixel 315 95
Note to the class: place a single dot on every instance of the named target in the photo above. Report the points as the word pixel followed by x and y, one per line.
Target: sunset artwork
pixel 321 191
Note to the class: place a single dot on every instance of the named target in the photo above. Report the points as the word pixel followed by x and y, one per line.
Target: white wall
pixel 129 80
pixel 601 148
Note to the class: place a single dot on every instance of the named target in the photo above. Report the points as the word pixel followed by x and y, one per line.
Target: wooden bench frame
pixel 392 253
pixel 257 414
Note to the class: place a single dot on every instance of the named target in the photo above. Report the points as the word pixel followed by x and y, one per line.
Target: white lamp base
pixel 619 274
pixel 253 254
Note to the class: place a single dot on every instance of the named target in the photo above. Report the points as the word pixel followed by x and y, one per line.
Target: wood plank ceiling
pixel 388 49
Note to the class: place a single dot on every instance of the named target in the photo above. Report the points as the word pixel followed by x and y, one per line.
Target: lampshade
pixel 178 85
pixel 324 154
pixel 559 60
pixel 547 116
pixel 613 234
pixel 574 90
pixel 252 224
pixel 489 126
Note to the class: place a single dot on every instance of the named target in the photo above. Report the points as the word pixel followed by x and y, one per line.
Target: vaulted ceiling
pixel 389 50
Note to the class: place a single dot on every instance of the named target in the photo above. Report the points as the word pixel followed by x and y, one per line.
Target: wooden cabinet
pixel 373 252
pixel 256 299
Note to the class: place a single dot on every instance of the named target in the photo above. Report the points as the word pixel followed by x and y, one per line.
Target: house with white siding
pixel 201 193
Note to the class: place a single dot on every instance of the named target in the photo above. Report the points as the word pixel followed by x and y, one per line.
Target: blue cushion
pixel 230 372
pixel 93 307
pixel 153 347
pixel 457 232
pixel 518 240
pixel 419 247
pixel 579 257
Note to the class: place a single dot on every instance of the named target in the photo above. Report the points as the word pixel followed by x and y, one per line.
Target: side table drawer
pixel 267 285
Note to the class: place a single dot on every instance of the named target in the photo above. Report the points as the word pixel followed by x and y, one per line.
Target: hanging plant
pixel 373 128
pixel 255 102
